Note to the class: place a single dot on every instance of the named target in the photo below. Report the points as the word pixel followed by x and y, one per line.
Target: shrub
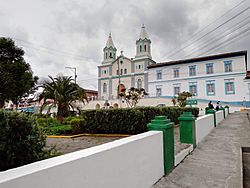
pixel 78 125
pixel 128 120
pixel 52 127
pixel 21 141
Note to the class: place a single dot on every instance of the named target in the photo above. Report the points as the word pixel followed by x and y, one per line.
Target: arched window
pixel 140 48
pixel 106 55
pixel 125 71
pixel 145 47
pixel 104 89
pixel 110 55
pixel 139 84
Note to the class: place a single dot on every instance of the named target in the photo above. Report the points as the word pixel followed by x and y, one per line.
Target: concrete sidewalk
pixel 217 161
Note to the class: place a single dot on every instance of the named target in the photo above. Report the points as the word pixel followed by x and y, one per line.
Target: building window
pixel 159 75
pixel 110 55
pixel 125 71
pixel 192 70
pixel 228 66
pixel 145 48
pixel 104 89
pixel 177 89
pixel 176 73
pixel 139 67
pixel 139 84
pixel 193 88
pixel 117 72
pixel 158 91
pixel 210 68
pixel 106 55
pixel 210 88
pixel 229 87
pixel 140 48
pixel 121 71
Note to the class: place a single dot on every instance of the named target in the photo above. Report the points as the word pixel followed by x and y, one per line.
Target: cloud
pixel 73 33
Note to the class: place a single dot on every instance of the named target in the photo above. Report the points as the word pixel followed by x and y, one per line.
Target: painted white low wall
pixel 203 126
pixel 219 116
pixel 136 161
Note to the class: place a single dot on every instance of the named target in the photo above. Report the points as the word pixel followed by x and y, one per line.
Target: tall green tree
pixel 16 76
pixel 64 92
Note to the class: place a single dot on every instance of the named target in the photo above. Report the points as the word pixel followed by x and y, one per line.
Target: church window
pixel 117 72
pixel 145 48
pixel 139 66
pixel 125 71
pixel 110 55
pixel 139 84
pixel 104 88
pixel 106 55
pixel 140 48
pixel 121 71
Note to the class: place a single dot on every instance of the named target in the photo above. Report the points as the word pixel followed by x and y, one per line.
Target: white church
pixel 221 77
pixel 118 72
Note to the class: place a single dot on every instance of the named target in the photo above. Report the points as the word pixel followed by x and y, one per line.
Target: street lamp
pixel 119 78
pixel 73 68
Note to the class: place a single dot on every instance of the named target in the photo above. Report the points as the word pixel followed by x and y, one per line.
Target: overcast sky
pixel 59 33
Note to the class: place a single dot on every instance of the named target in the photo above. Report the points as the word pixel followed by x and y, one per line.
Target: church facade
pixel 119 72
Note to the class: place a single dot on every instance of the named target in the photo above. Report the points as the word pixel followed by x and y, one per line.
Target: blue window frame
pixel 158 91
pixel 176 72
pixel 193 88
pixel 228 66
pixel 210 68
pixel 210 85
pixel 177 89
pixel 158 75
pixel 229 87
pixel 192 70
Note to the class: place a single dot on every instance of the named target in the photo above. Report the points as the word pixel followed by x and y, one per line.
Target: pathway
pixel 216 162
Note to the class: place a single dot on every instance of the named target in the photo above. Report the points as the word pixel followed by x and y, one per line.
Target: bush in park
pixel 21 141
pixel 128 120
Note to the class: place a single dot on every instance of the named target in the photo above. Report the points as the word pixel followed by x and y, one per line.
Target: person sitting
pixel 210 105
pixel 217 106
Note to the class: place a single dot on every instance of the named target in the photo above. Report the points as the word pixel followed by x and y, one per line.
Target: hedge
pixel 21 142
pixel 128 120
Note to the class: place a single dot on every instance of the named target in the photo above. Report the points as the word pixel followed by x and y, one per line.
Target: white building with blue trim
pixel 221 77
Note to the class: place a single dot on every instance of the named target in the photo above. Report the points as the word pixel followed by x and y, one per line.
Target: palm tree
pixel 63 91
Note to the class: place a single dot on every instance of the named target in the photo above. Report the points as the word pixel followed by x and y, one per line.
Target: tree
pixel 16 76
pixel 63 91
pixel 181 98
pixel 133 96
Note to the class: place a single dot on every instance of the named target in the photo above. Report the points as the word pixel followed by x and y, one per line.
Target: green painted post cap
pixel 211 111
pixel 160 123
pixel 186 116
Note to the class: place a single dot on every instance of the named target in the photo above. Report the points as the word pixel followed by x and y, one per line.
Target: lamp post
pixel 73 68
pixel 119 78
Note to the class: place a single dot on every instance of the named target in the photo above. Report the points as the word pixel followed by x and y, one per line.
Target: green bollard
pixel 224 113
pixel 161 123
pixel 187 128
pixel 211 111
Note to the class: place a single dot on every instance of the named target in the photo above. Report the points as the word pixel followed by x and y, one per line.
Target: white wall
pixel 203 126
pixel 135 161
pixel 219 116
